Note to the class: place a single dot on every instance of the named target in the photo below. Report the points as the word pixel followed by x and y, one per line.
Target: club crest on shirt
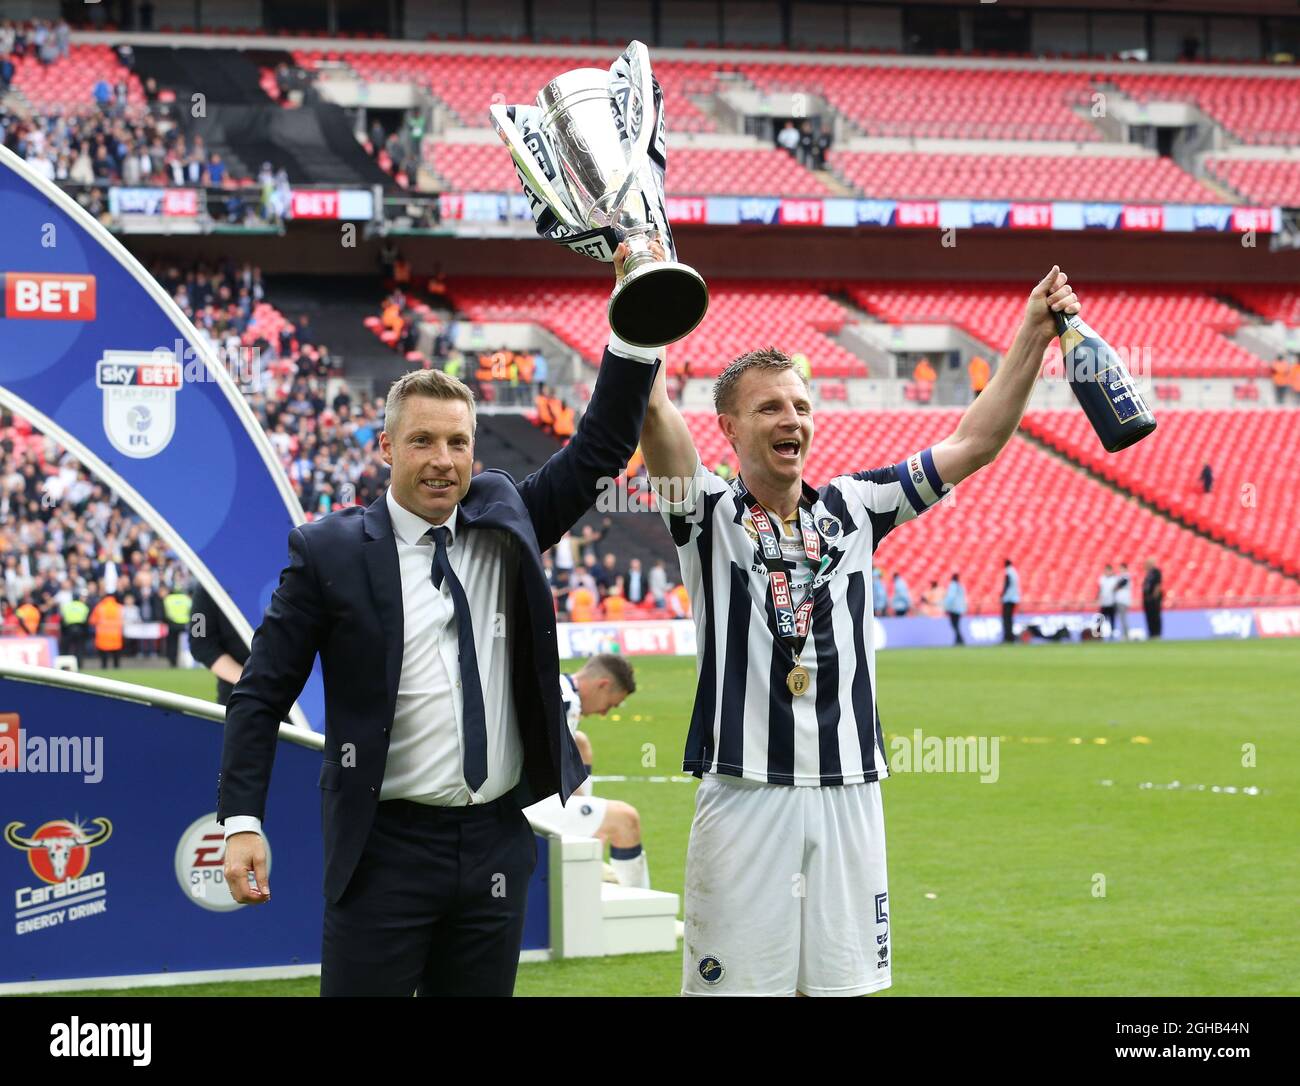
pixel 711 969
pixel 829 526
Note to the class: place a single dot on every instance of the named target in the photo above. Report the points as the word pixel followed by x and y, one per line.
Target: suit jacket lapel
pixel 380 550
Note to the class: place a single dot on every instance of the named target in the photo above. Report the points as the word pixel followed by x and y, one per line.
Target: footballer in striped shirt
pixel 786 888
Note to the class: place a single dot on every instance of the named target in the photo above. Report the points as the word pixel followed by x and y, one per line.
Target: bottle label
pixel 1124 399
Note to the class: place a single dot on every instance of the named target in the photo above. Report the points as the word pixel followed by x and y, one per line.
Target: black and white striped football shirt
pixel 746 723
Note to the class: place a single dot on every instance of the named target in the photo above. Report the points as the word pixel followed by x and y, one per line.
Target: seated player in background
pixel 601 684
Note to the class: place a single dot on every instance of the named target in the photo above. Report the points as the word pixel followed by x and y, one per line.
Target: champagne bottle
pixel 1103 385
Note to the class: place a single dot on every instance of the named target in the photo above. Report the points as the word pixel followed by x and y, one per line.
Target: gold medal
pixel 798 680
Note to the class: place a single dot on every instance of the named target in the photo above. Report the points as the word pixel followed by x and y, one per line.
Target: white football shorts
pixel 786 890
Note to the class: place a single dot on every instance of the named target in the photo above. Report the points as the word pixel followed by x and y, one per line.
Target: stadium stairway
pixel 338 307
pixel 314 144
pixel 513 444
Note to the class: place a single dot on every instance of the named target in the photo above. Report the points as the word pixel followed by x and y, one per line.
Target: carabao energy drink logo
pixel 59 854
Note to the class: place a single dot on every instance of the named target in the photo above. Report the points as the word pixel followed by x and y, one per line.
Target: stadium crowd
pixel 77 561
pixel 107 140
pixel 590 582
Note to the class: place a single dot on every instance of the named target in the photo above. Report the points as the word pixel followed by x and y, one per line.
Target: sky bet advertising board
pixel 94 353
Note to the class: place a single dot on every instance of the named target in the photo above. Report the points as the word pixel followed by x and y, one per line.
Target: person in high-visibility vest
pixel 582 604
pixel 802 365
pixel 980 372
pixel 527 367
pixel 925 376
pixel 564 422
pixel 616 602
pixel 546 412
pixel 1295 378
pixel 176 607
pixel 106 618
pixel 1281 378
pixel 72 628
pixel 29 617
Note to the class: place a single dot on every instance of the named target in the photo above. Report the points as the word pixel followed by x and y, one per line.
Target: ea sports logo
pixel 200 865
pixel 711 969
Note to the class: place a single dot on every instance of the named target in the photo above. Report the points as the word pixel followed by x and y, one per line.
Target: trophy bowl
pixel 590 155
pixel 659 301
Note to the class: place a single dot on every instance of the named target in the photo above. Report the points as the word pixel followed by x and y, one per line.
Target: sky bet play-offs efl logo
pixel 58 853
pixel 139 399
pixel 35 296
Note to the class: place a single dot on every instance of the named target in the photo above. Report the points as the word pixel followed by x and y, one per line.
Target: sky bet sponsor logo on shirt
pixel 34 296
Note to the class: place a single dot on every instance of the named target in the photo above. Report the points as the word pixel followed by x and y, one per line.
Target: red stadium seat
pixel 742 316
pixel 1255 457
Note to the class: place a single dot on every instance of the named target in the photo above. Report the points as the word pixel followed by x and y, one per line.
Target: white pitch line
pixel 640 780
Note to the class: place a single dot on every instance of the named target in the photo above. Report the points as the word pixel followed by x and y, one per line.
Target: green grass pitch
pixel 996 889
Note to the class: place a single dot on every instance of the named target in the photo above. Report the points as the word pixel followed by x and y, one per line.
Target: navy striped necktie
pixel 475 719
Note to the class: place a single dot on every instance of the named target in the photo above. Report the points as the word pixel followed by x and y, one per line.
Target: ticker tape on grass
pixel 1178 786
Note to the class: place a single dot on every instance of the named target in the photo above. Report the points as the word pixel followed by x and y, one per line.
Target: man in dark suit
pixel 1153 598
pixel 634 581
pixel 436 631
pixel 216 644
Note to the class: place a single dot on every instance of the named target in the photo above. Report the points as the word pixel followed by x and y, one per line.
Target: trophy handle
pixel 642 85
pixel 527 163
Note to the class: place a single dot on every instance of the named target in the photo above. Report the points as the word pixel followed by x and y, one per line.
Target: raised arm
pixel 666 444
pixel 990 421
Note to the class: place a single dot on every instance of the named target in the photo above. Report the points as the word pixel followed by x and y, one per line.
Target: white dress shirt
pixel 426 749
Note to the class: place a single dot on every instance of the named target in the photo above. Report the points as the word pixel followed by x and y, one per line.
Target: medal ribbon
pixel 791 622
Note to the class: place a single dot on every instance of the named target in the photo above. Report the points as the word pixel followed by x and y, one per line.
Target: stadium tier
pixel 1166 331
pixel 1260 180
pixel 1058 525
pixel 1276 303
pixel 1257 109
pixel 1177 331
pixel 1024 177
pixel 1008 104
pixel 487 167
pixel 1255 459
pixel 741 315
pixel 469 83
pixel 70 83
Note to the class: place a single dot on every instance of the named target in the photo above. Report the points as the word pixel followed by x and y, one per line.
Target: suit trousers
pixel 435 906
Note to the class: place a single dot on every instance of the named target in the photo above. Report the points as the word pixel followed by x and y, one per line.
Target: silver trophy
pixel 591 156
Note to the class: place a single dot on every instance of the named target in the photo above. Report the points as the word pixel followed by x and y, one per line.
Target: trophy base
pixel 658 303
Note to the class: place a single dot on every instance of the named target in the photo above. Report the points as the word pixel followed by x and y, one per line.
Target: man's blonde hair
pixel 432 383
pixel 768 359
